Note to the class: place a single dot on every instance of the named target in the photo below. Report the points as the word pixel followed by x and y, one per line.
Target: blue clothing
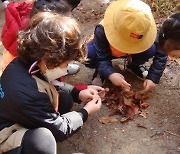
pixel 100 56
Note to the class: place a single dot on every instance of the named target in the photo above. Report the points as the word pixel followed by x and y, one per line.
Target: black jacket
pixel 23 103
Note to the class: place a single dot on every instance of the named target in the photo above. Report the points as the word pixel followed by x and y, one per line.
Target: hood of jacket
pixel 17 16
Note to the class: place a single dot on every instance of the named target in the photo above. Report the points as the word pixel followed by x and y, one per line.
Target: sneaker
pixel 73 68
pixel 105 1
pixel 98 79
pixel 5 3
pixel 139 70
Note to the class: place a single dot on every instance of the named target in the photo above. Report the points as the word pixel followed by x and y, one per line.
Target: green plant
pixel 163 7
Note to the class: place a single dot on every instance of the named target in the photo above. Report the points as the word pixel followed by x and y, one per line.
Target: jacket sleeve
pixel 103 51
pixel 158 65
pixel 70 89
pixel 34 112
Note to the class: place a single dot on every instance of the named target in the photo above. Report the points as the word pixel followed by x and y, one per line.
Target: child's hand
pixel 94 105
pixel 149 86
pixel 118 80
pixel 97 88
pixel 87 95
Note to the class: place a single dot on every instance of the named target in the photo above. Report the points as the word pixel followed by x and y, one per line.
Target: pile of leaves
pixel 126 103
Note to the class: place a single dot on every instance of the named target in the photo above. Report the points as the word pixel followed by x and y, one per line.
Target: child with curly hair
pixel 34 114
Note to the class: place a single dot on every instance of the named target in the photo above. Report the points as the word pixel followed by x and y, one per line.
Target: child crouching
pixel 32 111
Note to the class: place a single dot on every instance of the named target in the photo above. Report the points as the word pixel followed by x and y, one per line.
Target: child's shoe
pixel 98 79
pixel 105 1
pixel 140 71
pixel 5 3
pixel 73 68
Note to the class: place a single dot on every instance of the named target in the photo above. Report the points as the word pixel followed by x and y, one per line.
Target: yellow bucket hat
pixel 129 26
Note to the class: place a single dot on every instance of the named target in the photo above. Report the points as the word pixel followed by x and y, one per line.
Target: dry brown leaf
pixel 128 104
pixel 124 119
pixel 175 59
pixel 171 58
pixel 106 120
pixel 136 109
pixel 143 114
pixel 144 105
pixel 144 96
pixel 130 113
pixel 178 60
pixel 103 93
pixel 127 101
pixel 137 95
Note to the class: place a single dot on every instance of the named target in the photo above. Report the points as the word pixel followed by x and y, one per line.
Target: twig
pixel 157 134
pixel 172 133
pixel 142 126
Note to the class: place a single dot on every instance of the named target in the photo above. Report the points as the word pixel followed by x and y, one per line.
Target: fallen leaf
pixel 143 114
pixel 124 119
pixel 130 113
pixel 171 58
pixel 128 94
pixel 178 60
pixel 144 105
pixel 144 96
pixel 136 109
pixel 103 93
pixel 137 95
pixel 175 59
pixel 127 101
pixel 106 120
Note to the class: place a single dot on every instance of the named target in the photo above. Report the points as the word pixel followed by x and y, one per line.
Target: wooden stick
pixel 172 133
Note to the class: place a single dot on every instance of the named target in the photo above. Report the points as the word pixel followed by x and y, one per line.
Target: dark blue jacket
pixel 104 57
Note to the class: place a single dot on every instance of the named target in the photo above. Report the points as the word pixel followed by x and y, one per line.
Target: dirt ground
pixel 161 134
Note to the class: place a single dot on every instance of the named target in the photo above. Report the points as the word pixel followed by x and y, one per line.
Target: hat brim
pixel 119 42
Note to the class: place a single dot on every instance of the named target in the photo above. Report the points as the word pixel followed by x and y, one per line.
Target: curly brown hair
pixel 52 37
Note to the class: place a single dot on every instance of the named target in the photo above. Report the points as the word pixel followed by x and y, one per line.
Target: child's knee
pixel 40 141
pixel 66 102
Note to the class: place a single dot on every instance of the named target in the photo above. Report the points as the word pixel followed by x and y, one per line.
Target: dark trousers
pixel 41 140
pixel 138 59
pixel 65 102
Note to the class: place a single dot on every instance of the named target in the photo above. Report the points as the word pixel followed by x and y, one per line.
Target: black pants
pixel 41 140
pixel 65 102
